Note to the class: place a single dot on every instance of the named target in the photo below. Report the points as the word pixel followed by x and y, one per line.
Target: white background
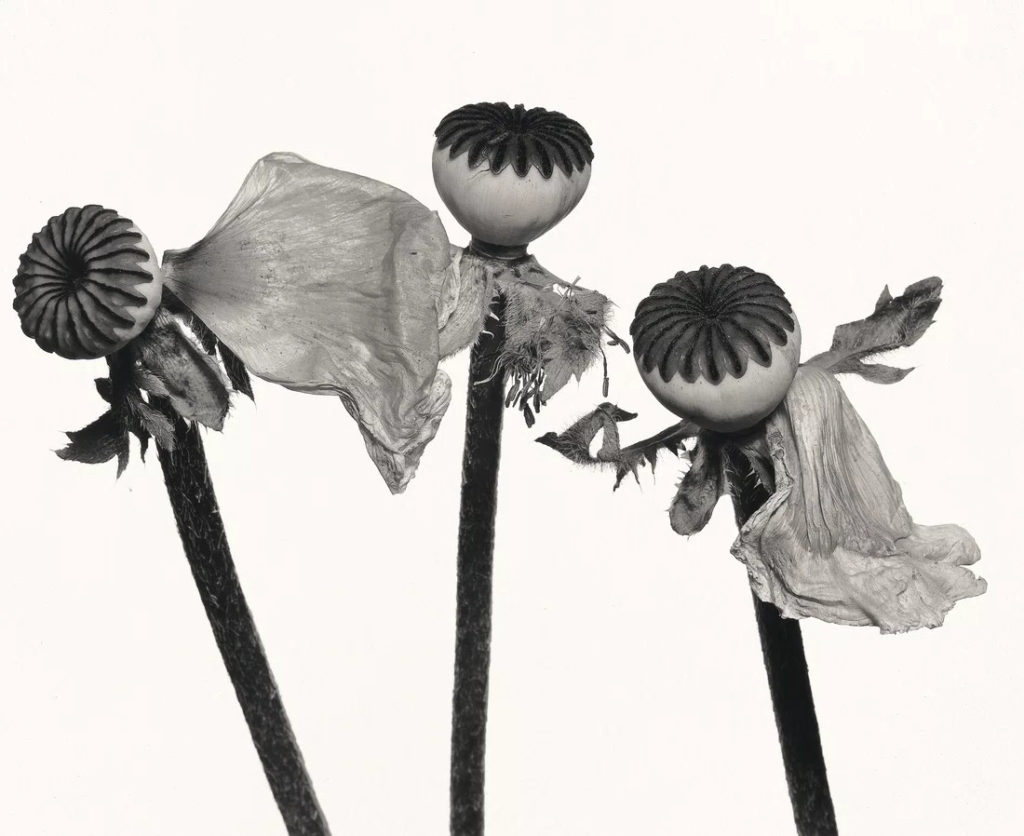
pixel 838 150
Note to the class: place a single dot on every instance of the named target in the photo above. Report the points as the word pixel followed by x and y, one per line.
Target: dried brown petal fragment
pixel 574 442
pixel 895 323
pixel 699 490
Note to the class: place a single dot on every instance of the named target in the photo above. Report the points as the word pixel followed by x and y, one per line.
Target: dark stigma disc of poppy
pixel 710 322
pixel 76 280
pixel 522 138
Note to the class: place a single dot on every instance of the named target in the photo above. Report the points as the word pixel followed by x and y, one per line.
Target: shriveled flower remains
pixel 833 540
pixel 333 283
pixel 322 281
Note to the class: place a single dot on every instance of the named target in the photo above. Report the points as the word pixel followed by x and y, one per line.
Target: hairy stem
pixel 481 454
pixel 206 547
pixel 790 685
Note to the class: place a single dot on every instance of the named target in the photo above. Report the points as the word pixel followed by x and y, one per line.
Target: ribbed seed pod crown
pixel 718 345
pixel 87 284
pixel 509 174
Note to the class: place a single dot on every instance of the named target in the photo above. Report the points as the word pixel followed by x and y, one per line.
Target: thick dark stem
pixel 790 686
pixel 206 546
pixel 484 408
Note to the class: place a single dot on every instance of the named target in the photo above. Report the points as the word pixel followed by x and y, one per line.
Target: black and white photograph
pixel 549 419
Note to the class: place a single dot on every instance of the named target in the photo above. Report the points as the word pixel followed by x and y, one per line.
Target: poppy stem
pixel 481 454
pixel 202 534
pixel 790 686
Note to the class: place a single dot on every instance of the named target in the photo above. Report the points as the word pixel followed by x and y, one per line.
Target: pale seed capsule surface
pixel 88 284
pixel 508 175
pixel 719 346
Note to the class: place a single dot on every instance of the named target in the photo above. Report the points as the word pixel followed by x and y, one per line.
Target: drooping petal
pixel 699 491
pixel 332 283
pixel 465 301
pixel 835 541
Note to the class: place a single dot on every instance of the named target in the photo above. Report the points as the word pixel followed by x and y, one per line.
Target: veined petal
pixel 464 303
pixel 835 541
pixel 332 283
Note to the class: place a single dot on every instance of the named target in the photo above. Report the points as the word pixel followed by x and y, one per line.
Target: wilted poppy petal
pixel 331 283
pixel 835 541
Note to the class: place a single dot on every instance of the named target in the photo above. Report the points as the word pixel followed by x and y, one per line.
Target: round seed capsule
pixel 508 175
pixel 88 284
pixel 719 346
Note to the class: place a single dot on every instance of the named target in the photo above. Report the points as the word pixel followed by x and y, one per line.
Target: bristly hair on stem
pixel 786 667
pixel 162 385
pixel 475 562
pixel 203 537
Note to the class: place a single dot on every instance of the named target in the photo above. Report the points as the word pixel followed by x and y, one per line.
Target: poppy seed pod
pixel 508 175
pixel 88 284
pixel 719 346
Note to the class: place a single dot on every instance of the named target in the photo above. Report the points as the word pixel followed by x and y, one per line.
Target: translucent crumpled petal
pixel 332 283
pixel 835 541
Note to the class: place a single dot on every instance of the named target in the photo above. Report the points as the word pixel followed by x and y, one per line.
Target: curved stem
pixel 480 459
pixel 206 547
pixel 790 686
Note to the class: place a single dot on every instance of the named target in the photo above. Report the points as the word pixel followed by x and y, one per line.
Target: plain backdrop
pixel 839 148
